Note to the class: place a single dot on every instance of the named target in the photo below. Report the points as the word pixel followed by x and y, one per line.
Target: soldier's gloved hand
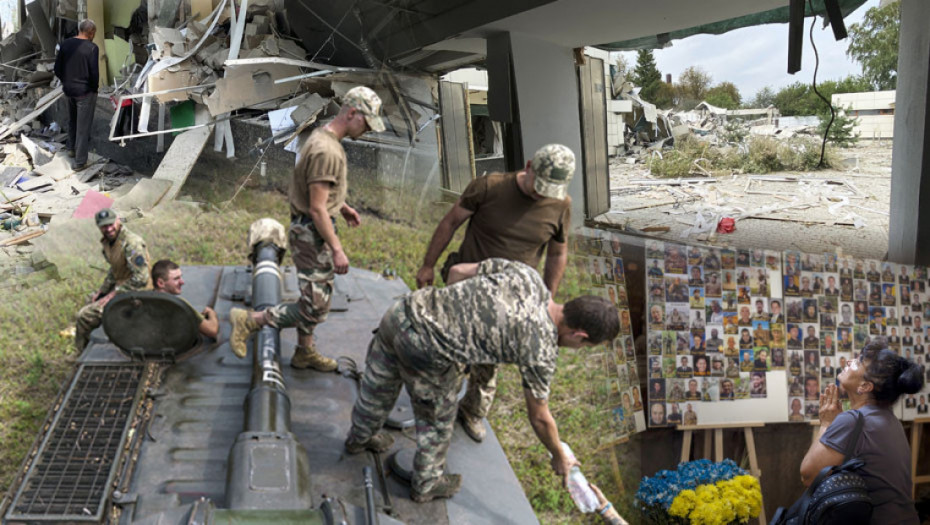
pixel 425 276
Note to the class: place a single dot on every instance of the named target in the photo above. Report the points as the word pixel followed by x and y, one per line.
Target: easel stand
pixel 916 435
pixel 714 433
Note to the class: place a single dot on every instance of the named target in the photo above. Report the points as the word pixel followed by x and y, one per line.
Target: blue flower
pixel 661 489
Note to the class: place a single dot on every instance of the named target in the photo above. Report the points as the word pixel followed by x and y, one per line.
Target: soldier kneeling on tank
pixel 501 312
pixel 167 277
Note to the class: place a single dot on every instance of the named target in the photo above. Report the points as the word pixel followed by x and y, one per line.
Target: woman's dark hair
pixel 891 374
pixel 595 315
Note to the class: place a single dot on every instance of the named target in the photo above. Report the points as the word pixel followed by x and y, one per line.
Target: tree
pixel 664 96
pixel 764 98
pixel 800 99
pixel 874 44
pixel 646 75
pixel 841 131
pixel 724 95
pixel 692 87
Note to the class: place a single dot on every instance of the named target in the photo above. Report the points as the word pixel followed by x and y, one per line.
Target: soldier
pixel 317 193
pixel 166 277
pixel 515 216
pixel 129 271
pixel 501 313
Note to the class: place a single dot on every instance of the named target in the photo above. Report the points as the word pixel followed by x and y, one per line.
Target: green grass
pixel 37 359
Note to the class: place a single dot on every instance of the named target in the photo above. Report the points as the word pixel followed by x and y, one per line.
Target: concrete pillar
pixel 546 87
pixel 40 24
pixel 909 228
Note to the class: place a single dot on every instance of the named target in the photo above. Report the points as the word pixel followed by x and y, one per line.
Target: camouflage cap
pixel 105 217
pixel 554 165
pixel 367 101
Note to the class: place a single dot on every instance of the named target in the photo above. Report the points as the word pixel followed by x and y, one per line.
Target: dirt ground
pixel 848 214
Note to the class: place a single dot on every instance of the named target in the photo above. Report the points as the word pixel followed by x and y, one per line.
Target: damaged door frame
pixel 119 109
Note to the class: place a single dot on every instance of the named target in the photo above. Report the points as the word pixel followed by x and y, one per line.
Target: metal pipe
pixel 370 512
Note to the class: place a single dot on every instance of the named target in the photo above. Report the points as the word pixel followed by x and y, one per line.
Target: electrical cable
pixel 826 132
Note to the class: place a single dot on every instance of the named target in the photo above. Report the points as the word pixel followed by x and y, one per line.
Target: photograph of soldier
pixel 732 370
pixel 694 256
pixel 888 295
pixel 758 388
pixel 846 315
pixel 745 339
pixel 795 415
pixel 778 336
pixel 654 269
pixel 811 363
pixel 759 282
pixel 743 295
pixel 729 302
pixel 817 286
pixel 876 320
pixel 712 287
pixel 656 291
pixel 827 372
pixel 776 316
pixel 811 341
pixel 794 386
pixel 903 277
pixel 710 390
pixel 675 261
pixel 742 385
pixel 862 313
pixel 729 280
pixel 745 317
pixel 806 290
pixel 715 312
pixel 809 312
pixel 873 276
pixel 861 291
pixel 676 317
pixel 656 317
pixel 692 394
pixel 846 288
pixel 875 294
pixel 795 341
pixel 827 321
pixel 759 312
pixel 697 345
pixel 844 339
pixel 791 264
pixel 791 287
pixel 829 262
pixel 745 360
pixel 760 333
pixel 727 259
pixel 695 276
pixel 684 367
pixel 827 304
pixel 758 258
pixel 795 310
pixel 655 367
pixel 730 324
pixel 690 416
pixel 906 319
pixel 655 250
pixel 656 390
pixel 887 273
pixel 726 390
pixel 697 298
pixel 831 289
pixel 712 260
pixel 731 348
pixel 761 361
pixel 811 388
pixel 675 390
pixel 701 366
pixel 845 268
pixel 674 414
pixel 713 342
pixel 683 343
pixel 676 289
pixel 657 414
pixel 716 365
pixel 637 398
pixel 742 257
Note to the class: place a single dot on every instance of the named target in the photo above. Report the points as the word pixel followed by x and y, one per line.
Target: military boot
pixel 378 443
pixel 242 327
pixel 446 487
pixel 473 426
pixel 309 357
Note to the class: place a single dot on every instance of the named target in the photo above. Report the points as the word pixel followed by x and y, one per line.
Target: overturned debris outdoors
pixel 173 72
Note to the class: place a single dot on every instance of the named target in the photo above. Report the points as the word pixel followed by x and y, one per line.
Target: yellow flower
pixel 683 503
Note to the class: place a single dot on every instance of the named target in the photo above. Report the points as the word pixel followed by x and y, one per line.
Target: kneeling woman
pixel 873 382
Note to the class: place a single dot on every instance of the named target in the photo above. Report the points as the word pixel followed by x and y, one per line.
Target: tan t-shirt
pixel 322 159
pixel 508 223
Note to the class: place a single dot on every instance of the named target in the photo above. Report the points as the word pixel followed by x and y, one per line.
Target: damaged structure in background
pixel 176 72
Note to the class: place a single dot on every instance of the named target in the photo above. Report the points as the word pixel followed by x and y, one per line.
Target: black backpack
pixel 837 495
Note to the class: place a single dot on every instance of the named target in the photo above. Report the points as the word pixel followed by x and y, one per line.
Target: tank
pixel 159 425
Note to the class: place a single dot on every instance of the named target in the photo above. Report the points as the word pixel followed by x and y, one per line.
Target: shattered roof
pixel 772 16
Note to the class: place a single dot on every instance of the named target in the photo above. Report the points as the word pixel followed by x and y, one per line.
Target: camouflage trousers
pixel 397 356
pixel 479 395
pixel 88 318
pixel 315 272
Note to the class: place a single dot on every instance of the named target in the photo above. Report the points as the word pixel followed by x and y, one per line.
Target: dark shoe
pixel 446 487
pixel 377 443
pixel 79 167
pixel 70 153
pixel 472 426
pixel 310 358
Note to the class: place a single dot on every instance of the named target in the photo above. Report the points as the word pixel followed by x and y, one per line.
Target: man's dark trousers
pixel 81 118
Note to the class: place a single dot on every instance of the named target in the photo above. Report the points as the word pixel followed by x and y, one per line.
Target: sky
pixel 755 57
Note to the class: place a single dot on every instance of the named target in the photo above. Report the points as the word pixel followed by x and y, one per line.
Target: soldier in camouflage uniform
pixel 317 192
pixel 501 312
pixel 129 271
pixel 514 216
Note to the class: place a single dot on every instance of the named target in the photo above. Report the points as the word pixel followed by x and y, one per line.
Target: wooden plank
pixel 718 444
pixel 180 158
pixel 22 238
pixel 916 429
pixel 615 467
pixel 720 425
pixel 45 103
pixel 686 446
pixel 754 466
pixel 708 434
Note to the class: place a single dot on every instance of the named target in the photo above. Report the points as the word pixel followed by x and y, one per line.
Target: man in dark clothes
pixel 77 65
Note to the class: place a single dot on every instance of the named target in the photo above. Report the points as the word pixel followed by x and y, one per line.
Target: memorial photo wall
pixel 728 325
pixel 616 391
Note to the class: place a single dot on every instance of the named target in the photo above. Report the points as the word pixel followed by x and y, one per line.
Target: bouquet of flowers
pixel 701 492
